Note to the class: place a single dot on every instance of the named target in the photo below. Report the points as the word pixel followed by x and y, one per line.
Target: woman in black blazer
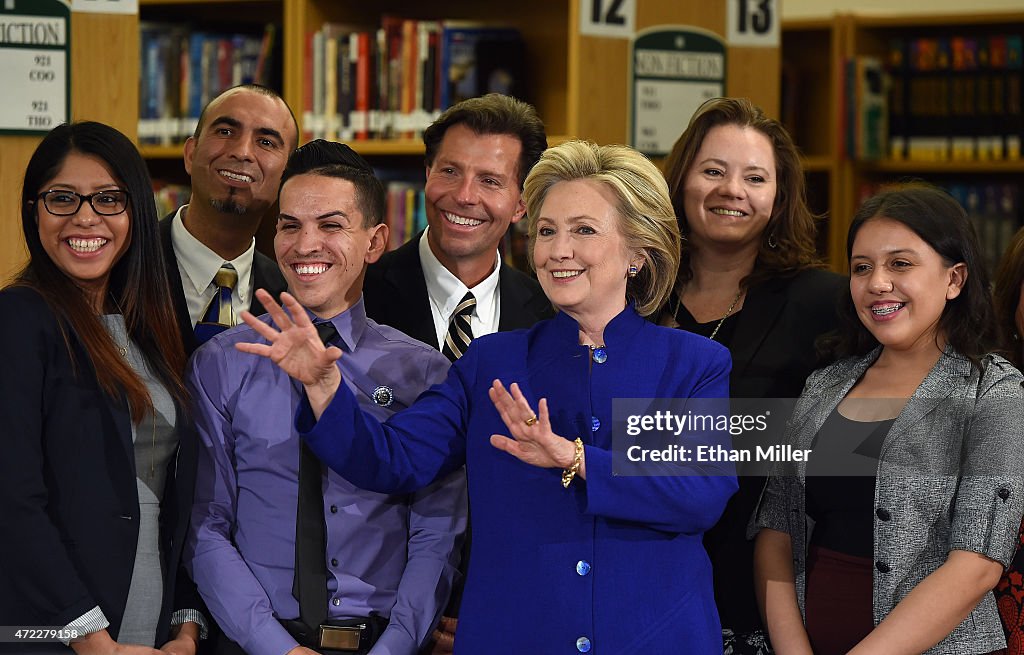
pixel 749 278
pixel 97 471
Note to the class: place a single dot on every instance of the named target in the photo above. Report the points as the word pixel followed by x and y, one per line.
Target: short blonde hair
pixel 644 206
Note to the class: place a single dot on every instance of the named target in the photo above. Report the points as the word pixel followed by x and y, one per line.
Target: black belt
pixel 338 635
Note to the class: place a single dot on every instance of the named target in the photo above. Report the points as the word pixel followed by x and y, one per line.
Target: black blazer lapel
pixel 188 337
pixel 523 303
pixel 761 309
pixel 396 293
pixel 265 275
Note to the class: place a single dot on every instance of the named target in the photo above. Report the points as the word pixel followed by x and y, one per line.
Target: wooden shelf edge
pixel 166 3
pixel 950 167
pixel 371 147
pixel 900 19
pixel 816 163
pixel 162 152
pixel 823 24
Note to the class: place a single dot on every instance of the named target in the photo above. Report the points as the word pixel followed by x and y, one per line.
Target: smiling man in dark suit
pixel 235 159
pixel 477 155
pixel 448 284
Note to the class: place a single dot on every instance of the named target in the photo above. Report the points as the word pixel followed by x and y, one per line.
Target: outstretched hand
pixel 296 348
pixel 532 440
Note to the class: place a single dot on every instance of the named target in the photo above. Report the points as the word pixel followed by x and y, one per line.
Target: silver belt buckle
pixel 340 638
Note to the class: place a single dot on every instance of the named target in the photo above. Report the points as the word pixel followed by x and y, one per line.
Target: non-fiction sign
pixel 673 71
pixel 35 65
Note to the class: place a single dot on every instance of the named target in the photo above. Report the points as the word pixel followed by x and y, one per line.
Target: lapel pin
pixel 383 395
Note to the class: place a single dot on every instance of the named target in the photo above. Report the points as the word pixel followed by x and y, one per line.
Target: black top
pixel 840 484
pixel 772 342
pixel 725 333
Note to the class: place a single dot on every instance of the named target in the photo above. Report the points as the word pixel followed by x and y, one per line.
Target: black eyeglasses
pixel 67 203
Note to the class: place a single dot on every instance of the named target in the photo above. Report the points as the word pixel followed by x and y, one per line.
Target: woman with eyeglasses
pixel 97 471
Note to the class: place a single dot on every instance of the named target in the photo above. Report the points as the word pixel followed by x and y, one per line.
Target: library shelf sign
pixel 35 65
pixel 673 70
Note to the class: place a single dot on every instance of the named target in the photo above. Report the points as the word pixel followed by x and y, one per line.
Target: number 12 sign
pixel 609 18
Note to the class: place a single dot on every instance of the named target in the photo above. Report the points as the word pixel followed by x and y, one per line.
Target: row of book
pixel 996 212
pixel 938 99
pixel 405 212
pixel 995 209
pixel 169 196
pixel 182 69
pixel 393 81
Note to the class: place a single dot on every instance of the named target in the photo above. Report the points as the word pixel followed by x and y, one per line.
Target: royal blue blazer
pixel 611 565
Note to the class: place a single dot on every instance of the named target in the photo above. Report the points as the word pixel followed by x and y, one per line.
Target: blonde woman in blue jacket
pixel 566 557
pixel 904 558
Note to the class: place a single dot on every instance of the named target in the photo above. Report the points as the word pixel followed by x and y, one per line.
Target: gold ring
pixel 530 421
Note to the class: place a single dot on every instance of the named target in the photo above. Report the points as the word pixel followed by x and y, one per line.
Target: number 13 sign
pixel 753 23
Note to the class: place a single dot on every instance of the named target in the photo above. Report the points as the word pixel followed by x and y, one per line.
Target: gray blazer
pixel 949 478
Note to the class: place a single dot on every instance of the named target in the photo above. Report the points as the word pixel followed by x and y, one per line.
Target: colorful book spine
pixel 1014 130
pixel 963 109
pixel 899 98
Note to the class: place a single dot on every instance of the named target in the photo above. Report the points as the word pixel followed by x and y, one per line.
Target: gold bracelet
pixel 570 473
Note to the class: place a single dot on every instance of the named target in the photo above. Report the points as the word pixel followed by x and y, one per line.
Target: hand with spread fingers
pixel 532 440
pixel 295 346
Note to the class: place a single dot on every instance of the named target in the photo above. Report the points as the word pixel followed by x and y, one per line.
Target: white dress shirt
pixel 446 291
pixel 198 265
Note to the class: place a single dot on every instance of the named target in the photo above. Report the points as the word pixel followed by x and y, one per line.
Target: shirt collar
pixel 199 263
pixel 447 291
pixel 350 324
pixel 619 331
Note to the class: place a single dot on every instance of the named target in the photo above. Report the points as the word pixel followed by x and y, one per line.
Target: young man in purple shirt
pixel 389 560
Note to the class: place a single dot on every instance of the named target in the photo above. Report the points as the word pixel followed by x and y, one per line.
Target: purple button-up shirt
pixel 393 555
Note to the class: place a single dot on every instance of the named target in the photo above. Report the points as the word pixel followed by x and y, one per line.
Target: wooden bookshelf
pixel 811 79
pixel 560 65
pixel 560 60
pixel 578 83
pixel 817 50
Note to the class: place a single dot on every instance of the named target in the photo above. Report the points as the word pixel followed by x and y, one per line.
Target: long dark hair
pixel 968 321
pixel 1009 278
pixel 138 284
pixel 791 227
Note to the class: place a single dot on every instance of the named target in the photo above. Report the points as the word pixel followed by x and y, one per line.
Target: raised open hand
pixel 296 347
pixel 532 440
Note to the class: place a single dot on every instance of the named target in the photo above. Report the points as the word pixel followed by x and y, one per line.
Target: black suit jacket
pixel 395 294
pixel 773 348
pixel 265 275
pixel 70 509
